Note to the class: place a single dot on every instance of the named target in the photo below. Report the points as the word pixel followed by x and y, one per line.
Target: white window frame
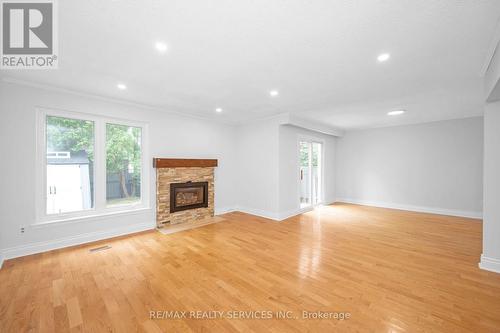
pixel 100 207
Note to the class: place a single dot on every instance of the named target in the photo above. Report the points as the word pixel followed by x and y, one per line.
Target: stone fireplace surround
pixel 170 171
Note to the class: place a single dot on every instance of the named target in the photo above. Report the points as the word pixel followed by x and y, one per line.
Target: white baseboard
pixel 1 259
pixel 220 211
pixel 330 202
pixel 258 212
pixel 273 216
pixel 38 247
pixel 294 212
pixel 490 264
pixel 420 209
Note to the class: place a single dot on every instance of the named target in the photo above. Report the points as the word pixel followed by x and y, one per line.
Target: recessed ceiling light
pixel 383 57
pixel 218 110
pixel 161 47
pixel 121 86
pixel 396 112
pixel 274 93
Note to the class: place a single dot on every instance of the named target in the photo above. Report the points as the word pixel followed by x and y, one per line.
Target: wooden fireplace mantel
pixel 184 163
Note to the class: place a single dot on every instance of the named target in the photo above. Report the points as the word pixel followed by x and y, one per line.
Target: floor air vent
pixel 101 248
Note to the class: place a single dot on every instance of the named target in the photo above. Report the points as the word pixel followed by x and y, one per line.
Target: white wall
pixel 289 166
pixel 268 168
pixel 257 174
pixel 492 76
pixel 169 136
pixel 1 247
pixel 435 167
pixel 490 258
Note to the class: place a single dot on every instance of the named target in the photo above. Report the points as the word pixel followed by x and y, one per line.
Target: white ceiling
pixel 320 55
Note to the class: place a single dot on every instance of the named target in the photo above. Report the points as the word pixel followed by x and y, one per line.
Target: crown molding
pixel 162 109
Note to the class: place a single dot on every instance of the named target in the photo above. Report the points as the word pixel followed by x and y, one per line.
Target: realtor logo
pixel 29 35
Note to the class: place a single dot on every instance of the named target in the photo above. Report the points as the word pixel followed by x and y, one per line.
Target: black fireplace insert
pixel 184 196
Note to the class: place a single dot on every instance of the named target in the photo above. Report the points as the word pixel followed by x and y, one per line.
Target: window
pixel 88 166
pixel 123 164
pixel 69 165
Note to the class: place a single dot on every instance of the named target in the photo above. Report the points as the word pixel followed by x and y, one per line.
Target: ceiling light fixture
pixel 274 93
pixel 121 86
pixel 161 47
pixel 396 112
pixel 218 110
pixel 383 57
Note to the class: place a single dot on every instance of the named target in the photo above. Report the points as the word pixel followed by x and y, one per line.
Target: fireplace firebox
pixel 184 196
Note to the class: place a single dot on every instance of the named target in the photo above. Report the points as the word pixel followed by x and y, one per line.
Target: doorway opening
pixel 310 173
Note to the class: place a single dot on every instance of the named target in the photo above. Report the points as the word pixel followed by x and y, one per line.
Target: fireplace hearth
pixel 189 195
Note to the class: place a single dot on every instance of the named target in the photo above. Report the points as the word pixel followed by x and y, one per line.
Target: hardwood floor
pixel 391 271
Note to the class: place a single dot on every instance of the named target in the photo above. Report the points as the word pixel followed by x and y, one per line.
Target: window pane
pixel 123 164
pixel 70 165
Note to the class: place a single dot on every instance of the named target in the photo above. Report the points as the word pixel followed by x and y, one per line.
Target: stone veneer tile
pixel 166 176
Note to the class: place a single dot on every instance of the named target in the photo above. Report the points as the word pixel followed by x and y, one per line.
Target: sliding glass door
pixel 305 167
pixel 310 173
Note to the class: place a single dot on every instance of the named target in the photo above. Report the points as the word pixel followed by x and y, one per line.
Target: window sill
pixel 97 216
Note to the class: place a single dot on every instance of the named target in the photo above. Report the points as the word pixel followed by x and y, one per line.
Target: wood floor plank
pixel 74 314
pixel 390 270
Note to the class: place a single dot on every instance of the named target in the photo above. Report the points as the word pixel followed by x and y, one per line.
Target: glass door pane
pixel 316 173
pixel 305 174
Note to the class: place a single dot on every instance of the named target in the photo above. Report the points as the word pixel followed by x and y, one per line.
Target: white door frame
pixel 311 139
